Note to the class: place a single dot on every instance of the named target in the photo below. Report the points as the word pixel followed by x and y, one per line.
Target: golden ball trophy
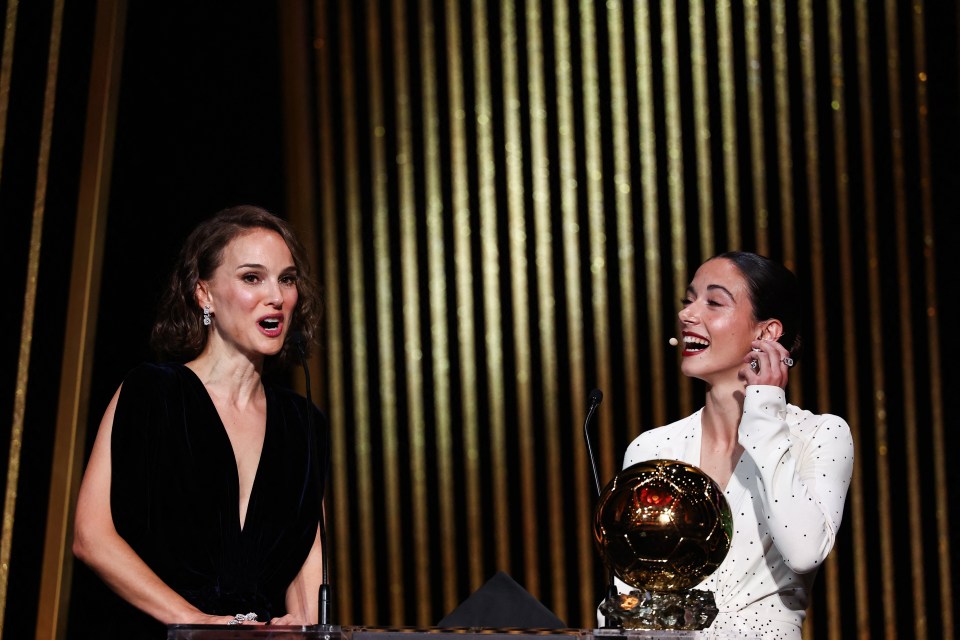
pixel 662 526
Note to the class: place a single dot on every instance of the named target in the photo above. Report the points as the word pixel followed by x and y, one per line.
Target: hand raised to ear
pixel 768 363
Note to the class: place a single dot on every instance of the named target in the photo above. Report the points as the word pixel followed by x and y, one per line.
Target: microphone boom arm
pixel 596 397
pixel 324 599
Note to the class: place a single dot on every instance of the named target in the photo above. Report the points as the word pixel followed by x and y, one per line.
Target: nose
pixel 687 315
pixel 274 295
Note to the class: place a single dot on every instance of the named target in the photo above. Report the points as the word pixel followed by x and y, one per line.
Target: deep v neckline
pixel 230 454
pixel 733 489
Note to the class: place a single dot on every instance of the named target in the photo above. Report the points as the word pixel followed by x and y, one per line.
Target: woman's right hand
pixel 203 618
pixel 767 364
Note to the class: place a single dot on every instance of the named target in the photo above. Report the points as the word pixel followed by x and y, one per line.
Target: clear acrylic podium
pixel 335 632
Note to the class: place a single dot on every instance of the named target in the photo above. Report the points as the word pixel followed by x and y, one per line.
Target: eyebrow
pixel 712 287
pixel 719 287
pixel 254 265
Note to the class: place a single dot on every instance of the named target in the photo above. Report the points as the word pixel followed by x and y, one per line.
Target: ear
pixel 202 293
pixel 771 330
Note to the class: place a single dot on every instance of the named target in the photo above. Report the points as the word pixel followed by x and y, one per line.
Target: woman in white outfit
pixel 783 470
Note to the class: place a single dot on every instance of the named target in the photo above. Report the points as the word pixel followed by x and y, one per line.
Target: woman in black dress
pixel 202 498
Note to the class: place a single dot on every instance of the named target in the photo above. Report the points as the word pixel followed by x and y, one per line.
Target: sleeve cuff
pixel 764 410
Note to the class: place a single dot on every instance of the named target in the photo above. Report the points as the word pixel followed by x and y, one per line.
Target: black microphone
pixel 324 602
pixel 596 397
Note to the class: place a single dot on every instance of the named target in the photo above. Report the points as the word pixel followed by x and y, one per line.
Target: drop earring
pixel 206 316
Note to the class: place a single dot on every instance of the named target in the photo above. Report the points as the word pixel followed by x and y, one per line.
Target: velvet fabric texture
pixel 174 495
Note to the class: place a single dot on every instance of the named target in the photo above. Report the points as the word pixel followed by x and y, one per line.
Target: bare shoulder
pixel 106 422
pixel 93 503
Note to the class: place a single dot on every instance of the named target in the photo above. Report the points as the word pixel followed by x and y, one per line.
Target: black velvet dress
pixel 174 496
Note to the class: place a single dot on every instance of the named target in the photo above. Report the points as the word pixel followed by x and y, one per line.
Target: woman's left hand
pixel 768 363
pixel 290 619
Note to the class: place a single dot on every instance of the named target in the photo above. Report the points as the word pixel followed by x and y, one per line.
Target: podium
pixel 334 632
pixel 252 632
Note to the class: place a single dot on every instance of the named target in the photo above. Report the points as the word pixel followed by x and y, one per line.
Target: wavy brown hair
pixel 179 332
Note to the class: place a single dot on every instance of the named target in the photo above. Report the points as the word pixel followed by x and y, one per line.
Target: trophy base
pixel 690 610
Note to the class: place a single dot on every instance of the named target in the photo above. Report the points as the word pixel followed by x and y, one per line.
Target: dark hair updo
pixel 774 294
pixel 179 332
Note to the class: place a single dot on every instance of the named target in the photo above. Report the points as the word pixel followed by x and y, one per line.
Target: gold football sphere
pixel 662 525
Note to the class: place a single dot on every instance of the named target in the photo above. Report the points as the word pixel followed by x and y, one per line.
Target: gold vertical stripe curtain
pixel 514 195
pixel 16 427
pixel 29 302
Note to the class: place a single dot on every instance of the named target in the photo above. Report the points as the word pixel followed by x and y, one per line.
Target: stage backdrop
pixel 510 200
pixel 504 201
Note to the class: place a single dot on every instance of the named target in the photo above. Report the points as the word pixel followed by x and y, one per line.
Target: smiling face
pixel 251 295
pixel 717 322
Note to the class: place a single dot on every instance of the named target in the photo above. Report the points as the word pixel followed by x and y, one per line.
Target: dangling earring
pixel 206 315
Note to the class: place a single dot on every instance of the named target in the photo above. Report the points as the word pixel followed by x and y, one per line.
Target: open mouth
pixel 694 344
pixel 270 324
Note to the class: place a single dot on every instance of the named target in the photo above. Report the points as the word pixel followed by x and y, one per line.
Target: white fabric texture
pixel 786 495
